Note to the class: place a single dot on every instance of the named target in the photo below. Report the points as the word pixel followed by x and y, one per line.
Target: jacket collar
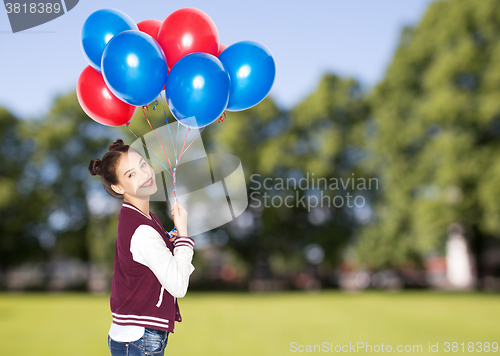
pixel 133 207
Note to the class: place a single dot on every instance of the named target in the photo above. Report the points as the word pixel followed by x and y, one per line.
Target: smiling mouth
pixel 148 183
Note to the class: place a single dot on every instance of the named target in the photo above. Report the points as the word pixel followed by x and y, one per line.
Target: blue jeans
pixel 153 342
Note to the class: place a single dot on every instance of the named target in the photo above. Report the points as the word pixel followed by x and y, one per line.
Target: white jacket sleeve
pixel 172 270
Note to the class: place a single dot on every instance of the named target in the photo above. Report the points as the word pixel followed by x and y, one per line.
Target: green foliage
pixel 437 118
pixel 20 201
pixel 320 137
pixel 65 141
pixel 429 132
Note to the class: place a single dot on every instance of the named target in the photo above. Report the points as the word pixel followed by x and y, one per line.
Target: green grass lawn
pixel 259 324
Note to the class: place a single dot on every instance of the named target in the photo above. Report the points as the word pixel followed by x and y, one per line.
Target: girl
pixel 149 273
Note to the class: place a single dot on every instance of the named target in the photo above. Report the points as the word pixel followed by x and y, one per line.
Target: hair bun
pixel 119 143
pixel 95 167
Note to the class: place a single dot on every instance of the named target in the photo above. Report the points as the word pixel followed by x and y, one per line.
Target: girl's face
pixel 135 177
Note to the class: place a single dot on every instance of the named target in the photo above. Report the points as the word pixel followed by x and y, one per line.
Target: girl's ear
pixel 117 189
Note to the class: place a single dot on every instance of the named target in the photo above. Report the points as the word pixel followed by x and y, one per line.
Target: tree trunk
pixel 476 243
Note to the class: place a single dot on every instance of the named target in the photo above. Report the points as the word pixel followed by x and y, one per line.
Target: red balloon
pixel 186 31
pixel 151 27
pixel 98 102
pixel 221 48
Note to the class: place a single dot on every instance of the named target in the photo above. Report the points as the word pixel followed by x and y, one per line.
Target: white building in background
pixel 459 261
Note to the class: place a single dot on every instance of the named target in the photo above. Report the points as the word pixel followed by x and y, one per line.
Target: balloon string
pixel 185 139
pixel 149 150
pixel 182 152
pixel 177 160
pixel 177 163
pixel 154 127
pixel 178 128
pixel 174 170
pixel 168 126
pixel 199 133
pixel 144 109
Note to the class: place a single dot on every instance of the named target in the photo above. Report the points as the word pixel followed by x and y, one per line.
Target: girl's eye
pixel 130 175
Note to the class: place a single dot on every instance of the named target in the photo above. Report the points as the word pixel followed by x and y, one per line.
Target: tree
pixel 66 140
pixel 20 202
pixel 322 137
pixel 437 120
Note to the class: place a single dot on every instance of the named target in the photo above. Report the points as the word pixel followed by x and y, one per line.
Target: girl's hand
pixel 174 234
pixel 180 218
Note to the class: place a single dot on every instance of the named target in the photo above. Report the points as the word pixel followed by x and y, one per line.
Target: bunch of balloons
pixel 131 64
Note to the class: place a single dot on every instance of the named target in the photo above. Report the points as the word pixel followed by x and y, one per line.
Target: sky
pixel 355 38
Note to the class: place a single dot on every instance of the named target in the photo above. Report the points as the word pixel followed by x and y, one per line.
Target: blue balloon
pixel 252 70
pixel 197 89
pixel 134 67
pixel 99 29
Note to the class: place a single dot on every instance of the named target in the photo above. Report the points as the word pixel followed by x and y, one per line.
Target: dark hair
pixel 106 167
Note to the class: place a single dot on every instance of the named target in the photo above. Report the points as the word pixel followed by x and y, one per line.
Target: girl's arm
pixel 172 270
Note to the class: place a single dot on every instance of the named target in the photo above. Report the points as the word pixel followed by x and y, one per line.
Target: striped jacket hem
pixel 140 320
